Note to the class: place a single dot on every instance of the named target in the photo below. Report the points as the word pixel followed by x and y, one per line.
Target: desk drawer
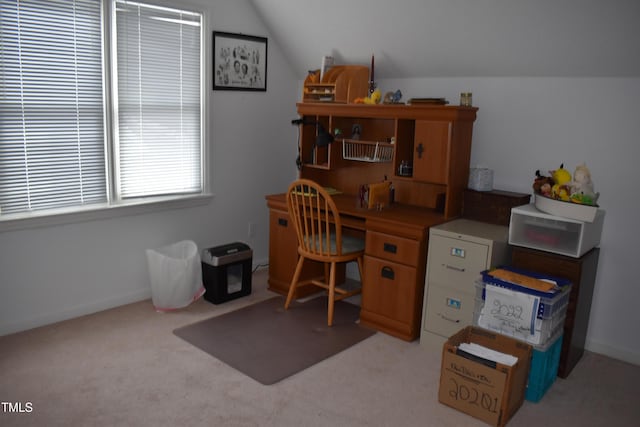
pixel 456 263
pixel 448 310
pixel 389 289
pixel 393 248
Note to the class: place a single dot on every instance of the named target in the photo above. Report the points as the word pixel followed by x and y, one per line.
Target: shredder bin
pixel 175 275
pixel 226 272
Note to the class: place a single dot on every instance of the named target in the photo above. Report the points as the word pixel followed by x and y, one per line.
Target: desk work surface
pixel 406 218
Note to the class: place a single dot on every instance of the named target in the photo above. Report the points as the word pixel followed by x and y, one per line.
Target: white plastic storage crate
pixel 550 309
pixel 532 228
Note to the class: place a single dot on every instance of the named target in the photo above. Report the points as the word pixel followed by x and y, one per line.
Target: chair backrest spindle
pixel 317 222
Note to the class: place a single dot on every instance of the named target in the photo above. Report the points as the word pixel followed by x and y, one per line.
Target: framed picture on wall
pixel 239 62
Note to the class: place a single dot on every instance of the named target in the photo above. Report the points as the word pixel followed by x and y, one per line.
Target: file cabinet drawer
pixel 448 310
pixel 456 263
pixel 389 290
pixel 392 248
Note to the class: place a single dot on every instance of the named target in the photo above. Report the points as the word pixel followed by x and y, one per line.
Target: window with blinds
pixel 158 131
pixel 55 148
pixel 52 145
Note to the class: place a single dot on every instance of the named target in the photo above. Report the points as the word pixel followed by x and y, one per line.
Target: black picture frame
pixel 239 62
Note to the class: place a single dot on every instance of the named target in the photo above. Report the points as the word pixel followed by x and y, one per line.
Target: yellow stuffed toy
pixel 372 99
pixel 562 179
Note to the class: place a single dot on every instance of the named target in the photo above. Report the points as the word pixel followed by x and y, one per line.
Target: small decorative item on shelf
pixel 392 97
pixel 466 99
pixel 481 179
pixel 372 82
pixel 356 131
pixel 405 168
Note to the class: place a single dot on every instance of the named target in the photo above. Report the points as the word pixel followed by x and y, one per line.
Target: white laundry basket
pixel 175 274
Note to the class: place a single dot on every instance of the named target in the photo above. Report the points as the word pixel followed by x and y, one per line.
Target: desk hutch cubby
pixel 435 142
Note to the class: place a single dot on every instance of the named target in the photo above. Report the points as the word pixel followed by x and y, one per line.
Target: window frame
pixel 116 207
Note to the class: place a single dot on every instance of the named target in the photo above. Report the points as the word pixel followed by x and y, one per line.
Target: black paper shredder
pixel 226 272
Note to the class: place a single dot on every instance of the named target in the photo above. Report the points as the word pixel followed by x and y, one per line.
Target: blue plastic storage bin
pixel 544 369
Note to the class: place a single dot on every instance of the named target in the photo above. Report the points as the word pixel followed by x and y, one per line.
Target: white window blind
pixel 52 145
pixel 158 132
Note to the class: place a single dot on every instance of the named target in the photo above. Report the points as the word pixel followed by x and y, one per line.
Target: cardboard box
pixel 491 393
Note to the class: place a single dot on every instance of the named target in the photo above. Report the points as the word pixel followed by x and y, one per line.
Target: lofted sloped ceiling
pixel 470 38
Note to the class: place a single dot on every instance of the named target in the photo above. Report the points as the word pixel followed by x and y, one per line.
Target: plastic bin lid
pixel 561 282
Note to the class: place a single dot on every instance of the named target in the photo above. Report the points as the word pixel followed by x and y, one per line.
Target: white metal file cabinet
pixel 458 251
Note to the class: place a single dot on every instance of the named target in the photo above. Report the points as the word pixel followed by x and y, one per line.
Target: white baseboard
pixel 80 310
pixel 84 309
pixel 613 352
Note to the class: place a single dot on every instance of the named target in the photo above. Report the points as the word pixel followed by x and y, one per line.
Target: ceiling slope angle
pixel 449 38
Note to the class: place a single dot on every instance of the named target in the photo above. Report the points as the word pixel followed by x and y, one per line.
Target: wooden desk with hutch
pixel 436 140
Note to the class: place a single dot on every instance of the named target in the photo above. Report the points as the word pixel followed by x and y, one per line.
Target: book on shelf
pixel 434 101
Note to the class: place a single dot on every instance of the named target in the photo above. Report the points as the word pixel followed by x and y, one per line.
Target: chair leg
pixel 327 273
pixel 294 282
pixel 332 293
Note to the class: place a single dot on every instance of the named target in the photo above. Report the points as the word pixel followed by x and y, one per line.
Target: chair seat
pixel 350 244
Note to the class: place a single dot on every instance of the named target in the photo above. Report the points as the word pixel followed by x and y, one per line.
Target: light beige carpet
pixel 125 367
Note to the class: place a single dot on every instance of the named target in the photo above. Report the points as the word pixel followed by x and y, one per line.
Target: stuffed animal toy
pixel 392 97
pixel 561 187
pixel 374 98
pixel 542 184
pixel 582 186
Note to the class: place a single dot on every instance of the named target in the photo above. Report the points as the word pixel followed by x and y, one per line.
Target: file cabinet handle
pixel 387 273
pixel 390 247
pixel 451 267
pixel 448 318
pixel 282 221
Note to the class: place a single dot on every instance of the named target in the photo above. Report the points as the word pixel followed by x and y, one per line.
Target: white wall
pixel 525 124
pixel 58 272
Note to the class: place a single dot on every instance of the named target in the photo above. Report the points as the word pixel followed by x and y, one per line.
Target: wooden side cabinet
pixel 582 273
pixel 283 253
pixel 393 292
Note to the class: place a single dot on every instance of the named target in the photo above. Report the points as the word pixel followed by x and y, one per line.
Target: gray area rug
pixel 268 343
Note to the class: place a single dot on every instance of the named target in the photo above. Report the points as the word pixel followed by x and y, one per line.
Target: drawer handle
pixel 387 273
pixel 282 222
pixel 390 247
pixel 451 267
pixel 448 318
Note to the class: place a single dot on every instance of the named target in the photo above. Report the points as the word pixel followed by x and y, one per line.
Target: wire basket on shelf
pixel 367 151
